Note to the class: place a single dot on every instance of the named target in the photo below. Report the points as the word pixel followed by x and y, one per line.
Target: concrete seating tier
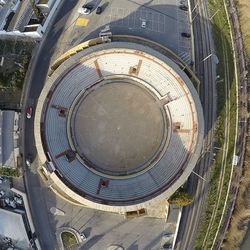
pixel 152 72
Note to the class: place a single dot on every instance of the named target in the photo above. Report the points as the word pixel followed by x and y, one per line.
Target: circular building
pixel 118 127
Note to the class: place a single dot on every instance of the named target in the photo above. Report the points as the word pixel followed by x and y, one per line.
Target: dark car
pixel 98 10
pixel 183 7
pixel 184 34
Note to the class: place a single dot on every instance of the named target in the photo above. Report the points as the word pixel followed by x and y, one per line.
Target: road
pixel 34 85
pixel 55 42
pixel 206 72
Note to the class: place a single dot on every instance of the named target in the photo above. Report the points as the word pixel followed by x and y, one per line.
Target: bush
pixel 11 172
pixel 181 198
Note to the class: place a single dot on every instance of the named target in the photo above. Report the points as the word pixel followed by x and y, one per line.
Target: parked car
pixel 10 202
pixel 85 9
pixel 83 237
pixel 184 34
pixel 2 179
pixel 29 112
pixel 183 7
pixel 98 10
pixel 18 200
pixel 167 246
pixel 167 236
pixel 2 193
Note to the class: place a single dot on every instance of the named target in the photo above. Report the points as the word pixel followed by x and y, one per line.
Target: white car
pixel 83 237
pixel 27 162
pixel 167 236
pixel 18 200
pixel 85 10
pixel 10 202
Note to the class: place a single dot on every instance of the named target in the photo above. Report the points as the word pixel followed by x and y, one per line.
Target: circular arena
pixel 119 126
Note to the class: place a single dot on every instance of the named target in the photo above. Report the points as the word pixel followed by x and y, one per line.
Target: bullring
pixel 121 125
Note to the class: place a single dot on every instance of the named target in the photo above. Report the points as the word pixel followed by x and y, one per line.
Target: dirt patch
pixel 241 215
pixel 243 7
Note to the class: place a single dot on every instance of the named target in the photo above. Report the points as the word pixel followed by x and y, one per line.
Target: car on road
pixel 83 237
pixel 183 7
pixel 98 10
pixel 184 34
pixel 143 24
pixel 2 193
pixel 85 9
pixel 28 159
pixel 28 163
pixel 29 112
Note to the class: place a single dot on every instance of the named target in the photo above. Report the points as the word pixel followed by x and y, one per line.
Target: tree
pixel 181 198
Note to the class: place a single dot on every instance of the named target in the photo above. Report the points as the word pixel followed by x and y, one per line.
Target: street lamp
pixel 199 176
pixel 214 14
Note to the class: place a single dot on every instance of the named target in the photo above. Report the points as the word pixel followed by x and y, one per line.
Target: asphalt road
pixel 205 71
pixel 34 85
pixel 55 42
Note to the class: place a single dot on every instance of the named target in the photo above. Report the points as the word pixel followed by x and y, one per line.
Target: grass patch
pixel 68 239
pixel 222 39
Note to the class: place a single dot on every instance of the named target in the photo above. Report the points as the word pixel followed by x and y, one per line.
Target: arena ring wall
pixel 131 120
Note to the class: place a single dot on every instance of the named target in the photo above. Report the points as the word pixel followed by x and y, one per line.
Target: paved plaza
pixel 103 229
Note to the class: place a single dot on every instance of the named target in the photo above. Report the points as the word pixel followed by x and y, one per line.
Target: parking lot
pixel 8 198
pixel 164 20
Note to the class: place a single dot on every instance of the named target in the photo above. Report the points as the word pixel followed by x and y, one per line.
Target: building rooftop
pixel 12 226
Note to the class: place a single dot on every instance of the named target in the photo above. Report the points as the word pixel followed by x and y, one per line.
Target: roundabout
pixel 118 126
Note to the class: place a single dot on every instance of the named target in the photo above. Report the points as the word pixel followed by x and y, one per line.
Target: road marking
pixel 82 22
